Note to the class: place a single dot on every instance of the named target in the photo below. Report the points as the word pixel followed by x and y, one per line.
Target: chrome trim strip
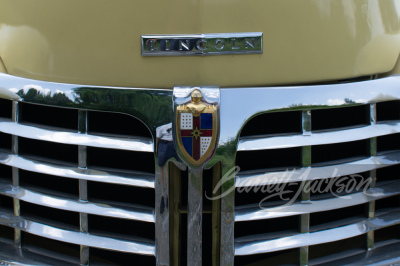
pixel 138 247
pixel 250 247
pixel 195 217
pixel 33 132
pixel 15 171
pixel 124 178
pixel 253 212
pixel 262 177
pixel 139 213
pixel 345 135
pixel 83 187
pixel 305 195
pixel 372 151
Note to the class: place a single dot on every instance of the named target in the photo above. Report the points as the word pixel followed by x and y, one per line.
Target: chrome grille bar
pixel 338 136
pixel 142 246
pixel 262 177
pixel 15 173
pixel 256 246
pixel 138 213
pixel 83 190
pixel 253 212
pixel 45 167
pixel 372 173
pixel 55 135
pixel 305 195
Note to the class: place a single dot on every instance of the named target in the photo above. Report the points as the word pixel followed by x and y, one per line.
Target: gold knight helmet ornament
pixel 196 129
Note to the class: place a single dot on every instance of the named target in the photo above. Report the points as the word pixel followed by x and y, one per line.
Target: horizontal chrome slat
pixel 262 177
pixel 253 212
pixel 250 247
pixel 139 213
pixel 34 132
pixel 345 135
pixel 145 247
pixel 130 179
pixel 11 255
pixel 387 254
pixel 245 103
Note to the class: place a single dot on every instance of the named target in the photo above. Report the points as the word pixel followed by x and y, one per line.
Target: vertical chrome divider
pixel 227 255
pixel 372 173
pixel 162 214
pixel 15 172
pixel 195 216
pixel 305 194
pixel 83 191
pixel 195 112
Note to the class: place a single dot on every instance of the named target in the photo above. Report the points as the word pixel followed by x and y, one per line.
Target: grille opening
pixel 267 194
pixel 49 184
pixel 207 187
pixel 282 158
pixel 207 249
pixel 5 141
pixel 331 251
pixel 108 257
pixel 284 257
pixel 127 195
pixel 183 237
pixel 49 150
pixel 6 232
pixel 121 228
pixel 274 123
pixel 120 159
pixel 184 188
pixel 6 203
pixel 388 110
pixel 389 142
pixel 269 228
pixel 347 151
pixel 6 172
pixel 387 233
pixel 390 173
pixel 325 119
pixel 49 116
pixel 336 218
pixel 116 124
pixel 51 216
pixel 339 186
pixel 5 108
pixel 51 248
pixel 387 203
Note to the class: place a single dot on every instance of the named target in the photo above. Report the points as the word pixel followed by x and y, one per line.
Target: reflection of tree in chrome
pixel 145 105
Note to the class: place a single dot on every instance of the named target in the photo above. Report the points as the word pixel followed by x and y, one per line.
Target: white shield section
pixel 186 121
pixel 204 144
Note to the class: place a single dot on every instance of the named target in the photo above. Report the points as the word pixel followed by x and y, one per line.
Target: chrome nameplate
pixel 202 44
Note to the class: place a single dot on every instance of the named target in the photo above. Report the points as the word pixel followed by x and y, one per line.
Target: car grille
pixel 89 175
pixel 336 214
pixel 62 189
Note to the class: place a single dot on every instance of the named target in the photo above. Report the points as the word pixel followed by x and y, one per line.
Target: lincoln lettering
pixel 201 44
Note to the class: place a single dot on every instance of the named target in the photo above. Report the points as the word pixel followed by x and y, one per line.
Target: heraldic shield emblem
pixel 196 127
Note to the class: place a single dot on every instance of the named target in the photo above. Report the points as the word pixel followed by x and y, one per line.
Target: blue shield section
pixel 206 121
pixel 187 143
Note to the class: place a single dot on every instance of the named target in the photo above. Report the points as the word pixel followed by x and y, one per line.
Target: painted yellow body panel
pixel 98 41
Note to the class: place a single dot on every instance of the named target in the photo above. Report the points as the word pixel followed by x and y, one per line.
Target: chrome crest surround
pixel 202 44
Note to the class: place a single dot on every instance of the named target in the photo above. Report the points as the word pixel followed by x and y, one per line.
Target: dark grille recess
pixel 333 198
pixel 56 194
